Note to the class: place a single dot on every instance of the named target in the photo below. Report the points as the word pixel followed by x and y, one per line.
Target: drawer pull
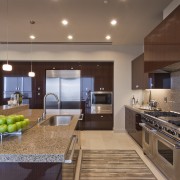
pixel 73 143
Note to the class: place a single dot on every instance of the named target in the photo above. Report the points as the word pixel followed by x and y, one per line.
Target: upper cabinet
pixel 162 45
pixel 99 74
pixel 103 77
pixel 141 80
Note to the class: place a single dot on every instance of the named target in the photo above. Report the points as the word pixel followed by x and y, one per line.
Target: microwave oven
pixel 101 102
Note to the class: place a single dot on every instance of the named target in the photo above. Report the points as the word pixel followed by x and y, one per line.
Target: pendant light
pixel 31 73
pixel 7 67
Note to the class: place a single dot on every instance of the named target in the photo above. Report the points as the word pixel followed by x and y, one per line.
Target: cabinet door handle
pixel 102 116
pixel 137 86
pixel 81 117
pixel 73 143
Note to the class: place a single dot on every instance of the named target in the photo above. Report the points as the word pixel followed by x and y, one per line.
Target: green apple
pixel 21 117
pixel 10 120
pixel 11 128
pixel 18 125
pixel 18 118
pixel 3 128
pixel 14 116
pixel 23 124
pixel 2 120
pixel 27 121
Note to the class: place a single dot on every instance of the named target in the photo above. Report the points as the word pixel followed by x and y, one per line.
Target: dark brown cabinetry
pixel 103 77
pixel 95 75
pixel 161 46
pixel 159 81
pixel 132 120
pixel 141 80
pixel 98 122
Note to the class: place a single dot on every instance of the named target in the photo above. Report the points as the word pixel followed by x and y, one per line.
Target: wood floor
pixel 113 165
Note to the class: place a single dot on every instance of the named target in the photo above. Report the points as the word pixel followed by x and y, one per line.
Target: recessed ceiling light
pixel 64 22
pixel 113 22
pixel 105 1
pixel 32 37
pixel 70 37
pixel 108 37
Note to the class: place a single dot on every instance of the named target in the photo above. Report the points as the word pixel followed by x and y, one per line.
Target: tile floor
pixel 93 140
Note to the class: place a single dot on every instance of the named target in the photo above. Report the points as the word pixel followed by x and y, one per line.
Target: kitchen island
pixel 39 148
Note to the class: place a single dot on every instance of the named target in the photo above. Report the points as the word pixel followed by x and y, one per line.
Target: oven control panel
pixel 165 128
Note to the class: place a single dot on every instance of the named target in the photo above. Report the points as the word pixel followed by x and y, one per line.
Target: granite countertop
pixel 137 109
pixel 7 110
pixel 141 109
pixel 40 143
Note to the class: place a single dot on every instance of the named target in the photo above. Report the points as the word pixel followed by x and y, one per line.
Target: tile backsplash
pixel 172 95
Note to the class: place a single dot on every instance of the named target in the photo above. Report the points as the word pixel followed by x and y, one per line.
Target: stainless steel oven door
pixel 166 155
pixel 147 140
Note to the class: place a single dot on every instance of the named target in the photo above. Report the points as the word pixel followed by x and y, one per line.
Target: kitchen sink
pixel 58 120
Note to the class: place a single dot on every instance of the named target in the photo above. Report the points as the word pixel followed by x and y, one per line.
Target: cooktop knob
pixel 171 131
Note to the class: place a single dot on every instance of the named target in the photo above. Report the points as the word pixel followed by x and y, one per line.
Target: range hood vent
pixel 172 68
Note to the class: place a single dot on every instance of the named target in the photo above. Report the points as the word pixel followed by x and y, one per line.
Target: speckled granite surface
pixel 135 109
pixel 40 143
pixel 7 110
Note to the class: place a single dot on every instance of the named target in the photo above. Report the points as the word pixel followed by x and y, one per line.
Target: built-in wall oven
pixel 101 102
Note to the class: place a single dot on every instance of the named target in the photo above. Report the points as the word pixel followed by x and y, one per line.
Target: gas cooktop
pixel 171 117
pixel 165 122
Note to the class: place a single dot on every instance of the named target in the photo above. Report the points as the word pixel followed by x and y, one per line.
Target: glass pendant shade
pixel 31 74
pixel 7 67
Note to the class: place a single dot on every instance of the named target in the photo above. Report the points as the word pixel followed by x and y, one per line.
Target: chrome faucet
pixel 44 113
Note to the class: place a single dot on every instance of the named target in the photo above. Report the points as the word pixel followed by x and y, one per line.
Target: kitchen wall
pixel 173 94
pixel 121 55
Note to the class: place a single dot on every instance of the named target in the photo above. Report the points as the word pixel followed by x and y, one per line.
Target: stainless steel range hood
pixel 172 68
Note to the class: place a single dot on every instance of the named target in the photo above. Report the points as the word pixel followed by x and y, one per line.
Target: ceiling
pixel 89 20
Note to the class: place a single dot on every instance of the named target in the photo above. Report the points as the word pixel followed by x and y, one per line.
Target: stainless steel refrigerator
pixel 66 85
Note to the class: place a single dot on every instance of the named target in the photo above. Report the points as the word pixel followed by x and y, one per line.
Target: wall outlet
pixel 165 99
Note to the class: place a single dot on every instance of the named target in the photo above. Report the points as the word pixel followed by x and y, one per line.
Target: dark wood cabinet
pixel 92 77
pixel 98 122
pixel 161 46
pixel 141 80
pixel 159 81
pixel 1 87
pixel 31 171
pixel 132 120
pixel 103 77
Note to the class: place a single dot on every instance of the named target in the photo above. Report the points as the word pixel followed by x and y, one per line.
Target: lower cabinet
pixel 132 120
pixel 98 122
pixel 30 171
